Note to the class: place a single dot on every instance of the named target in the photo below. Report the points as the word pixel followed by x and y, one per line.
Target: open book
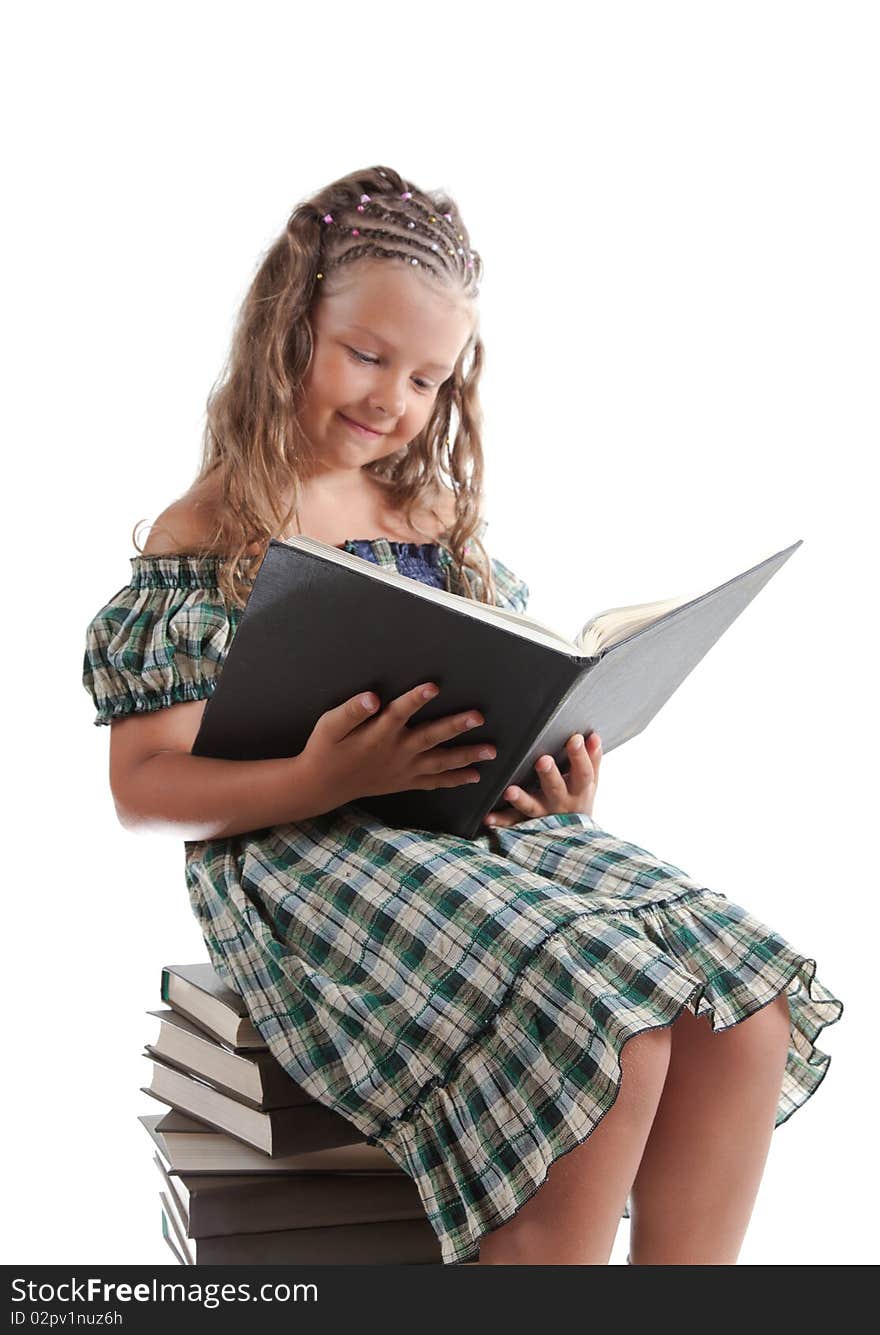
pixel 322 624
pixel 600 632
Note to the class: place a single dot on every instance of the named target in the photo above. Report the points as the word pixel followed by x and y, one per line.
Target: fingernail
pixel 429 692
pixel 544 763
pixel 367 701
pixel 578 740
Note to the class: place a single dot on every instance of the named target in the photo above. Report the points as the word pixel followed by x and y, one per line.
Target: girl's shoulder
pixel 188 524
pixel 163 637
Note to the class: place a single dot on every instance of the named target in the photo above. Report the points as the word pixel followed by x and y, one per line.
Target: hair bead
pixel 386 212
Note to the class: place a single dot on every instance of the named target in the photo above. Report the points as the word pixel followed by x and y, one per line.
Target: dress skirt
pixel 464 1003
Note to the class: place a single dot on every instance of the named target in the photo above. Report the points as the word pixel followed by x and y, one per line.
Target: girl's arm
pixel 159 786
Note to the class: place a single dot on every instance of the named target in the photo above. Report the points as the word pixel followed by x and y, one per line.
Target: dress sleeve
pixel 511 591
pixel 160 640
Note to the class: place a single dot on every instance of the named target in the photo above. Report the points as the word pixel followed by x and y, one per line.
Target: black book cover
pixel 315 632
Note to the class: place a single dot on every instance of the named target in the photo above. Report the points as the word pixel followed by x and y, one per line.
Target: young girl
pixel 539 1025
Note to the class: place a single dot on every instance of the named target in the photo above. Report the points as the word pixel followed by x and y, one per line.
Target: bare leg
pixel 696 1184
pixel 573 1217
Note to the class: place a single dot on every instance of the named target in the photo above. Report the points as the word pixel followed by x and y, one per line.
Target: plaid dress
pixel 462 1002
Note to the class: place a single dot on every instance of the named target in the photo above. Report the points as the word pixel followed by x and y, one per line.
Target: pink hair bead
pixel 328 217
pixel 360 208
pixel 365 199
pixel 407 194
pixel 355 232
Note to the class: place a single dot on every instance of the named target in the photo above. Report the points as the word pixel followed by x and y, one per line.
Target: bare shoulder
pixel 443 508
pixel 188 524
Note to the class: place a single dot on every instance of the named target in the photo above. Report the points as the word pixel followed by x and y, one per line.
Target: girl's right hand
pixel 355 752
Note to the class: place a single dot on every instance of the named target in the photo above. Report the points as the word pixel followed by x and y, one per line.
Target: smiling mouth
pixel 363 430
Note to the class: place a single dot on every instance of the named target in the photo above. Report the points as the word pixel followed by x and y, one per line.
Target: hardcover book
pixel 321 625
pixel 198 993
pixel 194 1148
pixel 255 1078
pixel 211 1206
pixel 276 1131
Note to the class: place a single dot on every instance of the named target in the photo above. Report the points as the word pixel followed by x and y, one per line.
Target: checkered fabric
pixel 464 1003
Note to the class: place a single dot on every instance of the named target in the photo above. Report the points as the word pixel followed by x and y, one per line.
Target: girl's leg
pixel 693 1195
pixel 574 1216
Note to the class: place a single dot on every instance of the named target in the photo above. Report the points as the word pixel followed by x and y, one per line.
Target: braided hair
pixel 253 445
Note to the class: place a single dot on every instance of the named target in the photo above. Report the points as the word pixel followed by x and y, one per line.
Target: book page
pixel 515 621
pixel 599 633
pixel 615 624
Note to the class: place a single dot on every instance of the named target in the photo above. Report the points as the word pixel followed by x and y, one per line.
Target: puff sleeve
pixel 511 591
pixel 161 639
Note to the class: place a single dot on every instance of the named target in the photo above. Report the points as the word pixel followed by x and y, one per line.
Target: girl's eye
pixel 374 361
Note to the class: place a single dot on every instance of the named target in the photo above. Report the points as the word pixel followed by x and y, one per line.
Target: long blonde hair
pixel 253 447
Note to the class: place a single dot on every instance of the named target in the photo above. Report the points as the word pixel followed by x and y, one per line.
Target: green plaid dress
pixel 463 1003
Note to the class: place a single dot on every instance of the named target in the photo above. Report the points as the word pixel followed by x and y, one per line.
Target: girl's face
pixel 383 345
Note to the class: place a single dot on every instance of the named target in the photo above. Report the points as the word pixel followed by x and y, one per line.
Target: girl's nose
pixel 389 398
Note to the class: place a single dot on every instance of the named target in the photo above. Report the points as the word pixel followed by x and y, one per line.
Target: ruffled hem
pixel 536 1080
pixel 118 706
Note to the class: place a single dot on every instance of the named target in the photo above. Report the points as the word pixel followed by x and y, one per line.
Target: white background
pixel 677 207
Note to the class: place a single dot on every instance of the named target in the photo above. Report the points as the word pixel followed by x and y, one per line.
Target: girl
pixel 540 1025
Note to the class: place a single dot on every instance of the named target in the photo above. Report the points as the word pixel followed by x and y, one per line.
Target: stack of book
pixel 254 1170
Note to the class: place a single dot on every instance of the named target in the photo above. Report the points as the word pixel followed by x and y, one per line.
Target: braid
pixel 368 214
pixel 350 213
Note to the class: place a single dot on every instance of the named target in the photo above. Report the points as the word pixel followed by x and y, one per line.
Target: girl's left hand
pixel 573 791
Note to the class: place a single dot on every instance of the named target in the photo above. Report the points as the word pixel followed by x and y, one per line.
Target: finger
pixel 448 779
pixel 553 786
pixel 524 802
pixel 595 744
pixel 402 708
pixel 444 757
pixel 429 735
pixel 342 720
pixel 580 775
pixel 503 818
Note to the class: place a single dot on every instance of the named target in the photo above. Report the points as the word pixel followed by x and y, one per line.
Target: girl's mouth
pixel 363 431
